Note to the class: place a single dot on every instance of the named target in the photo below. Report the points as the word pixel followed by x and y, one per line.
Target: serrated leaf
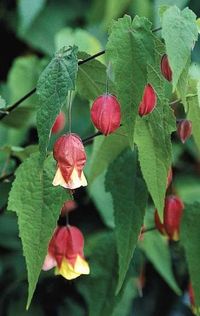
pixel 190 238
pixel 193 114
pixel 129 206
pixel 91 79
pixel 53 86
pixel 105 150
pixel 129 61
pixel 153 136
pixel 37 204
pixel 98 288
pixel 179 30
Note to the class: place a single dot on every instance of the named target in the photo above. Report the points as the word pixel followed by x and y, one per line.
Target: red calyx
pixel 172 216
pixel 69 153
pixel 106 114
pixel 165 68
pixel 59 123
pixel 184 130
pixel 66 242
pixel 149 101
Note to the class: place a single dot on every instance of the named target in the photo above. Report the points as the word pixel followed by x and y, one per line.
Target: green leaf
pixel 114 9
pixel 91 79
pixel 22 78
pixel 98 288
pixel 53 86
pixel 105 150
pixel 179 30
pixel 129 206
pixel 28 11
pixel 37 204
pixel 190 238
pixel 85 41
pixel 129 61
pixel 157 251
pixel 193 114
pixel 153 137
pixel 19 152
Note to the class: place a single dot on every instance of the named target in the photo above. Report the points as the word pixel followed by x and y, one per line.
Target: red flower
pixel 165 68
pixel 70 155
pixel 172 216
pixel 184 130
pixel 59 123
pixel 65 251
pixel 148 102
pixel 106 114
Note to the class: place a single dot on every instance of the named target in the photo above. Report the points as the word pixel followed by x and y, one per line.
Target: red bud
pixel 59 123
pixel 149 101
pixel 191 294
pixel 165 68
pixel 106 114
pixel 172 216
pixel 184 130
pixel 68 206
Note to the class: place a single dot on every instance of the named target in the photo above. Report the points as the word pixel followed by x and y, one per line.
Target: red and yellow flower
pixel 65 252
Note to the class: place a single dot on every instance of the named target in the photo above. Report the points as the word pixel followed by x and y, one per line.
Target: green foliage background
pixel 154 281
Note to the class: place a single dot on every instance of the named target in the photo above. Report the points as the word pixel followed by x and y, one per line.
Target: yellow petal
pixel 76 182
pixel 59 180
pixel 69 272
pixel 81 266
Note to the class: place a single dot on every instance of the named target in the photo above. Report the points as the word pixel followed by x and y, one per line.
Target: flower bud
pixel 70 155
pixel 149 101
pixel 65 252
pixel 165 68
pixel 106 114
pixel 59 123
pixel 184 130
pixel 172 216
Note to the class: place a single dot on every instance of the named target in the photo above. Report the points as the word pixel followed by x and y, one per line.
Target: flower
pixel 70 155
pixel 172 216
pixel 184 130
pixel 59 123
pixel 68 207
pixel 165 68
pixel 106 113
pixel 148 102
pixel 65 252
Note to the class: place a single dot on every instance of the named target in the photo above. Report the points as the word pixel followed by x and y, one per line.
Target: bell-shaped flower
pixel 149 101
pixel 165 68
pixel 184 130
pixel 65 252
pixel 106 114
pixel 70 155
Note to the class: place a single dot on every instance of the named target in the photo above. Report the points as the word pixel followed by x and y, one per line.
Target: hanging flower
pixel 106 114
pixel 184 130
pixel 172 216
pixel 59 123
pixel 65 252
pixel 70 155
pixel 148 102
pixel 165 68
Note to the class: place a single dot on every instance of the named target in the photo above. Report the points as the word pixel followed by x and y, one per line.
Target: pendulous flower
pixel 106 114
pixel 65 252
pixel 165 68
pixel 148 102
pixel 70 155
pixel 172 216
